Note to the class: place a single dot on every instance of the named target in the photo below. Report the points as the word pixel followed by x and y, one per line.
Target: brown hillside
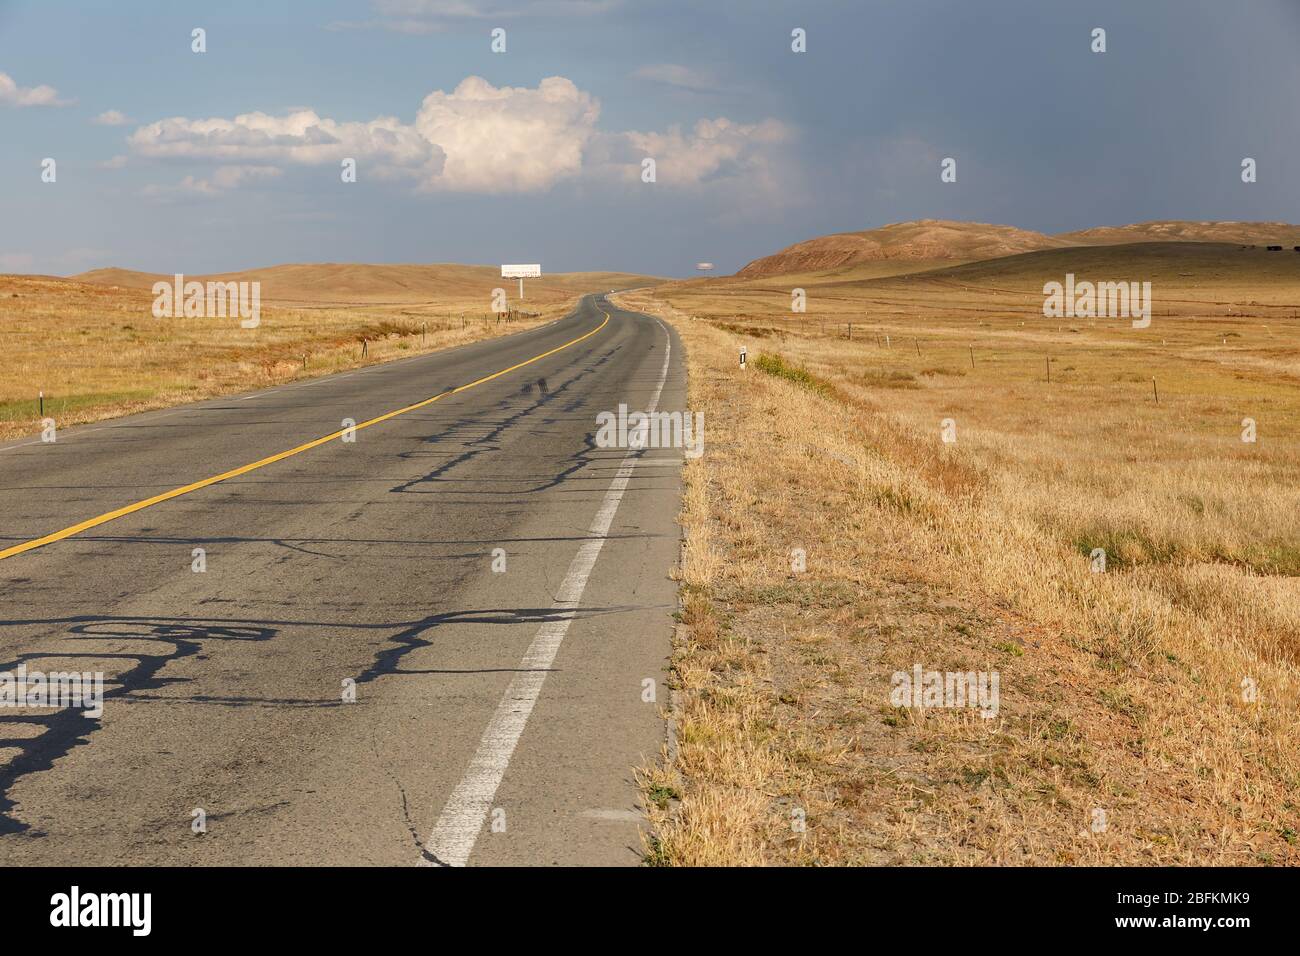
pixel 931 241
pixel 1246 233
pixel 925 239
pixel 376 284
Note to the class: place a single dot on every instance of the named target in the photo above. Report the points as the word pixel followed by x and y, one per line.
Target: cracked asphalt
pixel 366 564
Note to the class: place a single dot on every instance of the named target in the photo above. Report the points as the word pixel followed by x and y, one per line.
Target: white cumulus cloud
pixel 11 94
pixel 714 149
pixel 509 138
pixel 301 136
pixel 111 118
pixel 477 138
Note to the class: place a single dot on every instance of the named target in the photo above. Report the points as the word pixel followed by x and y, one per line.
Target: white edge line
pixel 457 829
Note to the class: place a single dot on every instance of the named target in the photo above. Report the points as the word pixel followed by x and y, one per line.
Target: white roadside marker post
pixel 742 358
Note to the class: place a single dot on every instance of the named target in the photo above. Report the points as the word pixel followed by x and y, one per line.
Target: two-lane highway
pixel 489 585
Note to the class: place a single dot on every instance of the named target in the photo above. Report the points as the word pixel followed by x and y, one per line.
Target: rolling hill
pixel 927 243
pixel 359 283
pixel 923 240
pixel 1246 233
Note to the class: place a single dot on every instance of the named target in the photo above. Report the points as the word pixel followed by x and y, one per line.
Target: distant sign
pixel 531 271
pixel 704 266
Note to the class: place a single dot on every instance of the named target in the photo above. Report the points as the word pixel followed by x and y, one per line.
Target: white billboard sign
pixel 531 271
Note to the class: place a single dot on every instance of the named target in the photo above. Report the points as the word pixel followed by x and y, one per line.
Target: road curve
pixel 497 713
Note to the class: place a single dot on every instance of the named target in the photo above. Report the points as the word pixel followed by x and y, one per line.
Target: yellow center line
pixel 245 469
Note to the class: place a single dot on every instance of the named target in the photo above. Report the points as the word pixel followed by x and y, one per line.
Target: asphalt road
pixel 497 715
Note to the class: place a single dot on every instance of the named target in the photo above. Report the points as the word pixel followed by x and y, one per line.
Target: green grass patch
pixel 60 406
pixel 756 331
pixel 660 795
pixel 775 365
pixel 895 378
pixel 1127 549
pixel 1282 557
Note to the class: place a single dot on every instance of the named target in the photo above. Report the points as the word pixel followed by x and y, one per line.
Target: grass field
pixel 1148 712
pixel 93 346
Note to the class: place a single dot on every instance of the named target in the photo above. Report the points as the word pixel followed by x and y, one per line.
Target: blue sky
pixel 535 154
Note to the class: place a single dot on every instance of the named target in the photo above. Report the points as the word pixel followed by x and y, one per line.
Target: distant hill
pixel 1245 233
pixel 927 242
pixel 1226 267
pixel 922 240
pixel 373 284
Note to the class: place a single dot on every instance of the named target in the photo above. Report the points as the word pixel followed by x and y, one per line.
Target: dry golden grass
pixel 468 288
pixel 95 349
pixel 1120 692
